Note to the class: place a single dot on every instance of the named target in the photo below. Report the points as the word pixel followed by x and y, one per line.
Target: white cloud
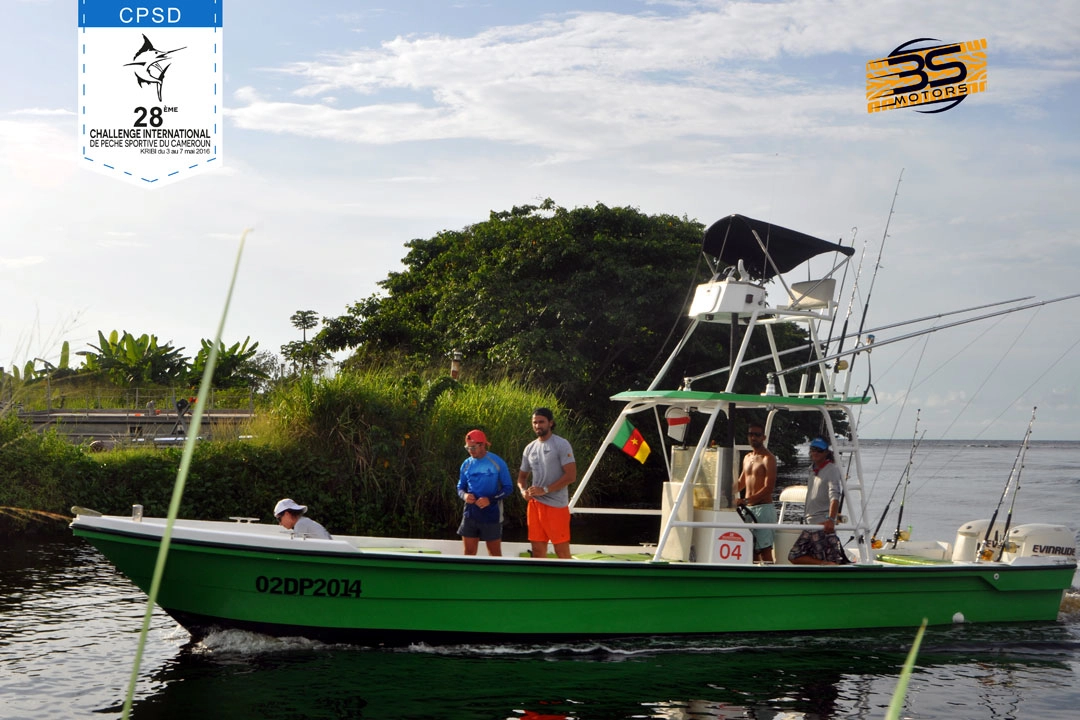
pixel 380 134
pixel 41 154
pixel 44 112
pixel 20 262
pixel 593 83
pixel 121 240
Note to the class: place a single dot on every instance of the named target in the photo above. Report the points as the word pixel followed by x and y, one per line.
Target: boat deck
pixel 242 533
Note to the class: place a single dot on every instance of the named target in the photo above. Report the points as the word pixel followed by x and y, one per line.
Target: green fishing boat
pixel 698 577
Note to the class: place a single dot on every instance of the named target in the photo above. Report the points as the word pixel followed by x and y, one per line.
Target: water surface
pixel 69 626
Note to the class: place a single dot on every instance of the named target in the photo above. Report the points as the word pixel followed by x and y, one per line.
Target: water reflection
pixel 68 629
pixel 798 677
pixel 69 626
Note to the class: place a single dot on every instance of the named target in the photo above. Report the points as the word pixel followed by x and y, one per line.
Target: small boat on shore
pixel 698 577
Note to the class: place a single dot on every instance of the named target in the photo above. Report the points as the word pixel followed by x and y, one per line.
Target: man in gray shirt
pixel 550 460
pixel 290 515
pixel 823 493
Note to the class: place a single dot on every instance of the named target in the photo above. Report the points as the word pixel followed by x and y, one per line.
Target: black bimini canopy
pixel 731 239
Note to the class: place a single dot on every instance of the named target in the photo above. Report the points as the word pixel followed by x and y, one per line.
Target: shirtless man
pixel 758 479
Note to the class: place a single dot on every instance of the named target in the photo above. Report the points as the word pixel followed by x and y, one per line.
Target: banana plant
pixel 236 365
pixel 126 359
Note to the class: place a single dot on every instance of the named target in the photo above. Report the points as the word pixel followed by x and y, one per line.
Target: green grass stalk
pixel 897 703
pixel 178 488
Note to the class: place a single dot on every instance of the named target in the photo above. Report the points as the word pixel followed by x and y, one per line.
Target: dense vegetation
pixel 370 452
pixel 579 300
pixel 587 302
pixel 548 306
pixel 127 360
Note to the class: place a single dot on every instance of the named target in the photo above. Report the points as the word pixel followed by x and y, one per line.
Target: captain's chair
pixel 812 295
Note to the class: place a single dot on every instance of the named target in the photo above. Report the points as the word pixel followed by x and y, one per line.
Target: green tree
pixel 587 302
pixel 48 370
pixel 269 366
pixel 304 320
pixel 236 366
pixel 305 355
pixel 579 300
pixel 127 359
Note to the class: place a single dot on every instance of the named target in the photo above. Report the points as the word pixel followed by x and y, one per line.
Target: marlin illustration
pixel 150 69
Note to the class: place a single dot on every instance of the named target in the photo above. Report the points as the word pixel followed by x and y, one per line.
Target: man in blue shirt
pixel 483 481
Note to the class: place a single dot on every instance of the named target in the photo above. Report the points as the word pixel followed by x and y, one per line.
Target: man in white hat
pixel 291 517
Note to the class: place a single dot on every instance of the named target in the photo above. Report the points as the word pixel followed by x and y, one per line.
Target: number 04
pixel 730 551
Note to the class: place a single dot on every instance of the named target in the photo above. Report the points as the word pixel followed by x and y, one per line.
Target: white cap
pixel 288 504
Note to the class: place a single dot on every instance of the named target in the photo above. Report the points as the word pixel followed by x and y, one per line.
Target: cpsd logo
pixel 938 74
pixel 155 15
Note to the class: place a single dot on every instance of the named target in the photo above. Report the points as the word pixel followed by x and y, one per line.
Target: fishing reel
pixel 987 550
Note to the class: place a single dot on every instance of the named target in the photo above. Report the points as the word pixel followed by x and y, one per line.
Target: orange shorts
pixel 548 524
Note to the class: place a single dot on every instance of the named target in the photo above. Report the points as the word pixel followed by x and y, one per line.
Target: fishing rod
pixel 907 480
pixel 985 548
pixel 1016 491
pixel 877 266
pixel 915 441
pixel 854 283
pixel 854 287
pixel 938 316
pixel 829 381
pixel 800 348
pixel 851 300
pixel 926 331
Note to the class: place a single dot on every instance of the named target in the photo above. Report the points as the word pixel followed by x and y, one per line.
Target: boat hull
pixel 406 597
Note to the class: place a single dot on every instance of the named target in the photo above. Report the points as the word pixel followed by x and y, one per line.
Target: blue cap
pixel 819 444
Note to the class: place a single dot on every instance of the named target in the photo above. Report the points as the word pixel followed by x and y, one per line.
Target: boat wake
pixel 613 650
pixel 1070 607
pixel 224 643
pixel 1022 641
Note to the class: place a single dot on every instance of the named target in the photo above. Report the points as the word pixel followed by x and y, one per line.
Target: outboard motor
pixel 1049 543
pixel 971 535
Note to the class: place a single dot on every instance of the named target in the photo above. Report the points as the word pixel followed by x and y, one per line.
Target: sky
pixel 352 127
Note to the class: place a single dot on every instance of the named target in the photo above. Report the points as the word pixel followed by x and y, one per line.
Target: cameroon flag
pixel 629 439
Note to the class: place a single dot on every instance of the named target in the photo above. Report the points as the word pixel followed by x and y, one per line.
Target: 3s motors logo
pixel 940 74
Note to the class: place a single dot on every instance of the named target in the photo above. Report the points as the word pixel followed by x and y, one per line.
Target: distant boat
pixel 699 576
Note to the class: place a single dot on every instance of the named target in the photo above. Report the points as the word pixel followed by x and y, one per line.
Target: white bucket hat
pixel 288 504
